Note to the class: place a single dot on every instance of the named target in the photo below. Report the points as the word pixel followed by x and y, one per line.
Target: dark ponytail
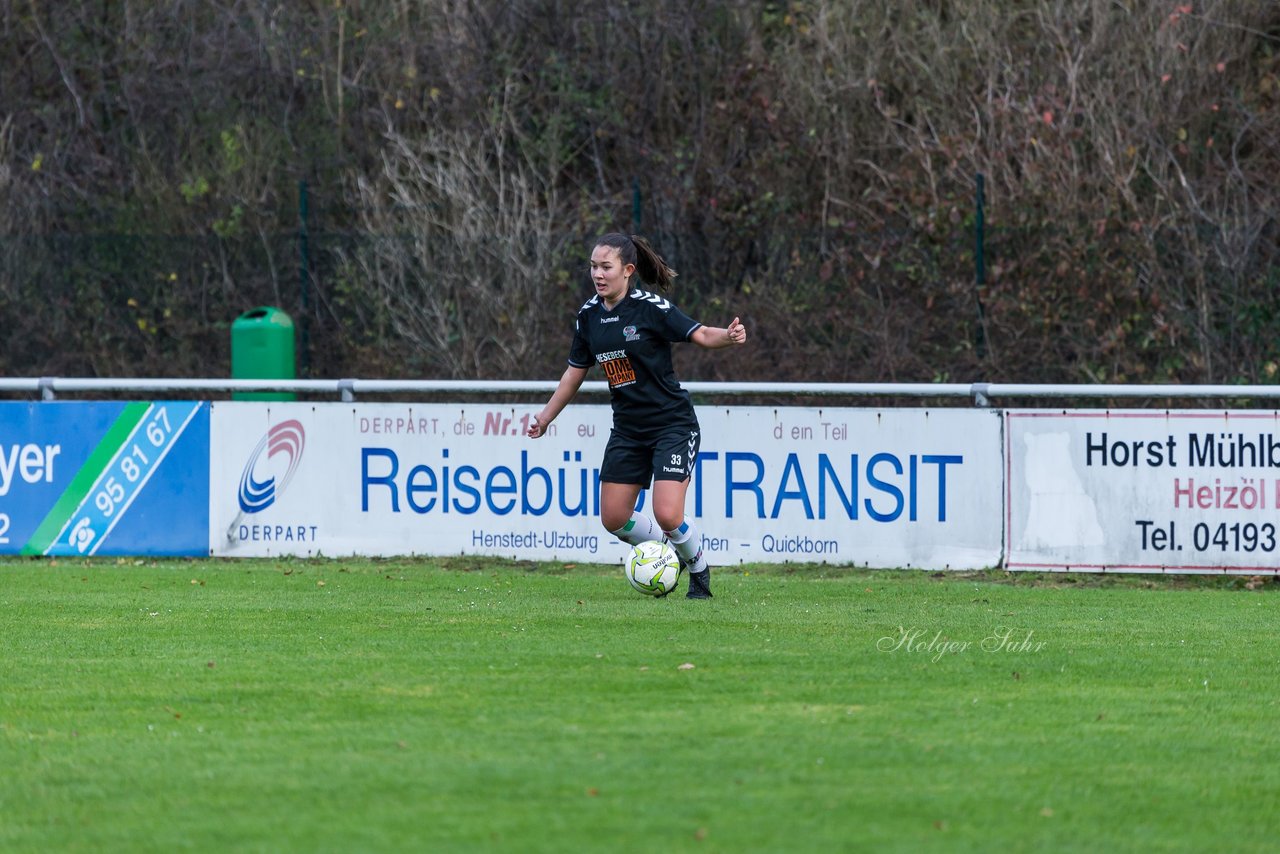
pixel 650 267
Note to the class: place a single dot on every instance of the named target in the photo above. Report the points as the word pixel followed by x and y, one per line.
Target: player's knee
pixel 669 521
pixel 613 523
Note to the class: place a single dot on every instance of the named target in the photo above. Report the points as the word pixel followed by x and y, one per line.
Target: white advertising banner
pixel 882 488
pixel 1143 491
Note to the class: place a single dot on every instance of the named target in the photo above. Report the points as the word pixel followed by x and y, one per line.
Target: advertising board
pixel 895 487
pixel 1143 491
pixel 104 478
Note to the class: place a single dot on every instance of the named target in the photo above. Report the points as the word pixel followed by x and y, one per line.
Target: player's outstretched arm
pixel 570 382
pixel 715 337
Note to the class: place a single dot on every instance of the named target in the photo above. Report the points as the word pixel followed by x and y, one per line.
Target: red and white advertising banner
pixel 882 488
pixel 1142 491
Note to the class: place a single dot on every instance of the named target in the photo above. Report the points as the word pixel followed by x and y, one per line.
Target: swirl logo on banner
pixel 286 438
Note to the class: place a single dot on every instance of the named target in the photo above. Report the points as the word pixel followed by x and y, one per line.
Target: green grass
pixel 443 705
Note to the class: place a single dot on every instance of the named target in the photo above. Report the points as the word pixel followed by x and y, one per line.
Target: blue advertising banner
pixel 104 478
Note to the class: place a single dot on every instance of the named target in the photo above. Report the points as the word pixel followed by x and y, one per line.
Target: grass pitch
pixel 485 705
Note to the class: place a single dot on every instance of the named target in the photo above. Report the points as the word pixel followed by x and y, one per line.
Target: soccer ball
pixel 653 568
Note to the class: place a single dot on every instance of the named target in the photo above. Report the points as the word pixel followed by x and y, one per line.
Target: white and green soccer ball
pixel 653 568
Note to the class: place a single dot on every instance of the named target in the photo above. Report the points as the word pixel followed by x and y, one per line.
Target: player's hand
pixel 536 428
pixel 737 332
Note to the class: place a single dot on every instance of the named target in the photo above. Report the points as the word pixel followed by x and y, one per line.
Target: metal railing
pixel 981 394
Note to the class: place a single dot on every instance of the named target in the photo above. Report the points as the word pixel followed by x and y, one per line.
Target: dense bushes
pixel 809 165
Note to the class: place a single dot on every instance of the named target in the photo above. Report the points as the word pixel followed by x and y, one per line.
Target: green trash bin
pixel 262 349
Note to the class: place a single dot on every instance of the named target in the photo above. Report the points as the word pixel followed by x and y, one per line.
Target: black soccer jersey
pixel 632 344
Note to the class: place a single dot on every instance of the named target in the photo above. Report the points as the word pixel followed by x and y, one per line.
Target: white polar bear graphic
pixel 1060 512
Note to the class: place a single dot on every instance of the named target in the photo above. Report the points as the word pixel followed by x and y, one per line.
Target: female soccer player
pixel 655 437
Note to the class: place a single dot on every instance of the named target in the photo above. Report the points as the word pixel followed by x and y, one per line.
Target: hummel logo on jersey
pixel 613 319
pixel 656 299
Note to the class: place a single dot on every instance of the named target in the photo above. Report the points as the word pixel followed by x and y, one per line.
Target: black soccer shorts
pixel 667 456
